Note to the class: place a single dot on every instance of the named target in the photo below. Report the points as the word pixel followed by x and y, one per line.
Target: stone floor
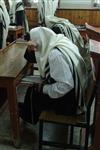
pixel 29 135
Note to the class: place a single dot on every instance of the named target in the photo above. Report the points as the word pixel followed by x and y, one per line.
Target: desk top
pixel 92 28
pixel 94 46
pixel 97 29
pixel 12 60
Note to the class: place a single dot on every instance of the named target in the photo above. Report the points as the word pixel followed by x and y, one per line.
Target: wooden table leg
pixel 14 118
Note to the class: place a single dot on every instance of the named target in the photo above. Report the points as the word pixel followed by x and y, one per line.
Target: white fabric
pixel 51 20
pixel 45 8
pixel 13 11
pixel 4 18
pixel 10 3
pixel 62 85
pixel 47 40
pixel 71 32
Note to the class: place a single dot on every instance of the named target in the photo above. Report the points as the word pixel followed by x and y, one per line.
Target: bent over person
pixel 64 76
pixel 64 26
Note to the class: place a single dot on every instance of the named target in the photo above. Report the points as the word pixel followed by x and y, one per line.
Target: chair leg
pixel 71 135
pixel 80 136
pixel 40 134
pixel 92 133
pixel 86 139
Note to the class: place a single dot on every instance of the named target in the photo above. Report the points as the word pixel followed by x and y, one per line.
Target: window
pixel 75 3
pixel 80 4
pixel 71 4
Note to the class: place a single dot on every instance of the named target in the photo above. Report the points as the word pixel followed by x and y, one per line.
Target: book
pixel 32 79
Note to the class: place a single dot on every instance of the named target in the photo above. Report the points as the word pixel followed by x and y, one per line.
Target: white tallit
pixel 13 9
pixel 75 36
pixel 17 5
pixel 65 27
pixel 45 8
pixel 47 40
pixel 4 18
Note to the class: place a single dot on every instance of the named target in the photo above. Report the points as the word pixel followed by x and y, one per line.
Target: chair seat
pixel 50 116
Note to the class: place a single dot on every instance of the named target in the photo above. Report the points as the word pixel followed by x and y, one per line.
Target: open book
pixel 94 46
pixel 32 79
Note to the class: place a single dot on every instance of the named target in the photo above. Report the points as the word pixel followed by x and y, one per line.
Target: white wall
pixel 75 4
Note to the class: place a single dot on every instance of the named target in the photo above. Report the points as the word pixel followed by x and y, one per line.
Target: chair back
pixel 93 32
pixel 90 93
pixel 91 89
pixel 91 100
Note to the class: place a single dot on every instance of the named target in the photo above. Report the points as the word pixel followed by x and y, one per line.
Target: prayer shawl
pixel 64 26
pixel 47 40
pixel 45 8
pixel 7 5
pixel 5 21
pixel 17 5
pixel 10 4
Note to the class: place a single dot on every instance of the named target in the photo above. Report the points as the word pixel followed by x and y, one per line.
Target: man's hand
pixel 32 46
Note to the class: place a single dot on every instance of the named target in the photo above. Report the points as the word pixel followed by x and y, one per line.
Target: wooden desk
pixel 12 67
pixel 15 33
pixel 95 53
pixel 93 32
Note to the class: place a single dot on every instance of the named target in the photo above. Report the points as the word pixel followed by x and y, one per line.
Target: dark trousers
pixel 1 35
pixel 35 103
pixel 20 18
pixel 3 96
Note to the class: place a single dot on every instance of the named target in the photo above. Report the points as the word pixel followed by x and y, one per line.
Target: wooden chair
pixel 82 122
pixel 93 32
